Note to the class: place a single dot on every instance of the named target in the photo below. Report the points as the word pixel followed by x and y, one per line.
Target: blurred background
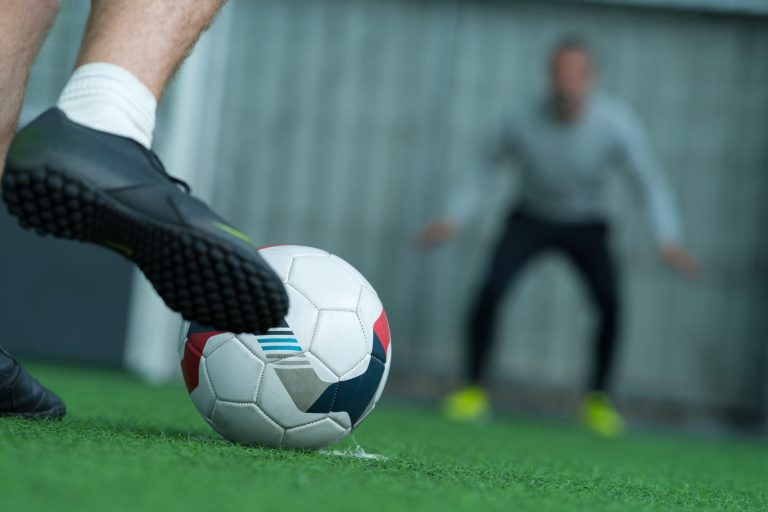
pixel 343 124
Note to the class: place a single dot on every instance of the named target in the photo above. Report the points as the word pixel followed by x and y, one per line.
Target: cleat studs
pixel 216 254
pixel 54 182
pixel 71 191
pixel 38 175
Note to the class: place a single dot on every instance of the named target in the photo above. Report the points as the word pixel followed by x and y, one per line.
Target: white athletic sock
pixel 111 99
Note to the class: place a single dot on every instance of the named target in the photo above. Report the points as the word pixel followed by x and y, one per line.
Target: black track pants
pixel 586 246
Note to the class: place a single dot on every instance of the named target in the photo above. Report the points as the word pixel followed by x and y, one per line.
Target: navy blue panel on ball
pixel 378 349
pixel 352 396
pixel 324 404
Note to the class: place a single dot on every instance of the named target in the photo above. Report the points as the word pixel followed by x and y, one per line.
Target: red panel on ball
pixel 381 328
pixel 193 351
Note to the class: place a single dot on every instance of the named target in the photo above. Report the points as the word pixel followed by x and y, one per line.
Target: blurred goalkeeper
pixel 564 146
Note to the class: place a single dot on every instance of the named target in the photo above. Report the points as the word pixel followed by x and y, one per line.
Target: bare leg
pixel 23 26
pixel 149 38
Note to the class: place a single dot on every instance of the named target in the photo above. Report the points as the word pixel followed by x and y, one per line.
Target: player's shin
pixel 23 26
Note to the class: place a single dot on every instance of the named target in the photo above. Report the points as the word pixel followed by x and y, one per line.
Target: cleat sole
pixel 198 275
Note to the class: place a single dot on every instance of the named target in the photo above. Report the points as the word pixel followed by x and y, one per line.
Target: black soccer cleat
pixel 70 181
pixel 21 395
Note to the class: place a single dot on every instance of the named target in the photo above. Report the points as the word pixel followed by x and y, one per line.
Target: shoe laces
pixel 183 185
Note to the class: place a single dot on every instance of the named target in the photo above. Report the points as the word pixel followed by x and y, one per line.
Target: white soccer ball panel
pixel 301 318
pixel 234 371
pixel 342 418
pixel 215 342
pixel 280 257
pixel 314 435
pixel 352 270
pixel 339 341
pixel 203 396
pixel 245 424
pixel 358 369
pixel 290 387
pixel 327 286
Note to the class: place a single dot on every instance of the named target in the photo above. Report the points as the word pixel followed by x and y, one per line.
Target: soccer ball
pixel 306 383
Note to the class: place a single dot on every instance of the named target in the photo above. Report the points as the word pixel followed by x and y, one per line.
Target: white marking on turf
pixel 356 452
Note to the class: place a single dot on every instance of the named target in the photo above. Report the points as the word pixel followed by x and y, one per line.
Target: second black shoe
pixel 65 179
pixel 21 395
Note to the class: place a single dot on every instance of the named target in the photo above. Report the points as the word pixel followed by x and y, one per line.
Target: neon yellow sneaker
pixel 468 404
pixel 600 416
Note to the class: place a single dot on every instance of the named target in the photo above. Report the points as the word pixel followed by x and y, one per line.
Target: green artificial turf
pixel 127 446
